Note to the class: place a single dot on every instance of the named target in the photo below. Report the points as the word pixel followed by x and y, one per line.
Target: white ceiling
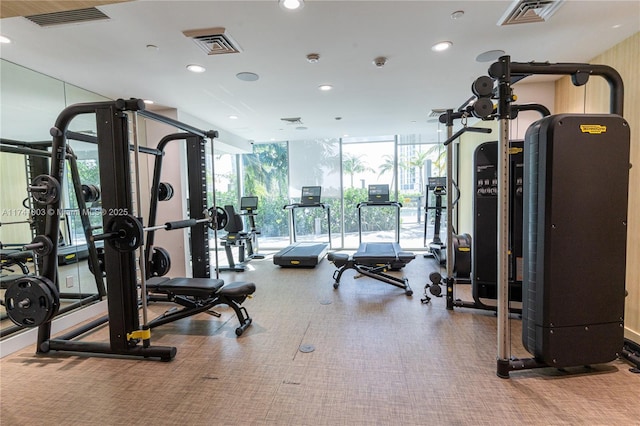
pixel 111 58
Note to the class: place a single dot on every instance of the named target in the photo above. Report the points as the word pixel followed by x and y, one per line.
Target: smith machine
pixel 34 301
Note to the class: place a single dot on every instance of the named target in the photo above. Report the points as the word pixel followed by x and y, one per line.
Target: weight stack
pixel 576 179
pixel 485 223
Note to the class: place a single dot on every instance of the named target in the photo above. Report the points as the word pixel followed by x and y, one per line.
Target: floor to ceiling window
pixel 265 175
pixel 365 162
pixel 344 169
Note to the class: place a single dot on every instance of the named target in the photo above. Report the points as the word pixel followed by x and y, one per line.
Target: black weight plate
pixel 32 301
pixel 50 194
pixel 100 254
pixel 90 193
pixel 165 191
pixel 47 245
pixel 130 233
pixel 160 262
pixel 220 218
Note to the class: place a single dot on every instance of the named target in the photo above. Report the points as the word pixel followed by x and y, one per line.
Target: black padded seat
pixel 237 289
pixel 373 254
pixel 199 295
pixel 195 287
pixel 373 260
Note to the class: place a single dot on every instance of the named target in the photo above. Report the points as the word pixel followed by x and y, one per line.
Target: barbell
pixel 125 233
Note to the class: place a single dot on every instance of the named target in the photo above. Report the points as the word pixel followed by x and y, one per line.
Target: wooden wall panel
pixel 625 58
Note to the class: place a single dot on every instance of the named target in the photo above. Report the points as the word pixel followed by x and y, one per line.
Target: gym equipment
pixel 247 242
pixel 197 178
pixel 563 323
pixel 378 196
pixel 565 262
pixel 165 191
pixel 437 248
pixel 485 208
pixel 304 254
pixel 200 295
pixel 375 259
pixel 90 193
pixel 124 231
pixel 31 301
pixel 160 262
pixel 45 189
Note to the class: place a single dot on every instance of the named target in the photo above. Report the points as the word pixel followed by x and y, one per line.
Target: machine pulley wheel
pixel 482 87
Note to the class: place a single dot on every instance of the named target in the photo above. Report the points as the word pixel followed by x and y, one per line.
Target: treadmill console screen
pixel 310 195
pixel 378 193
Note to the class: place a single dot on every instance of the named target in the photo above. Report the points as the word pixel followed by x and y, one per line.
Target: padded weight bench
pixel 199 295
pixel 374 260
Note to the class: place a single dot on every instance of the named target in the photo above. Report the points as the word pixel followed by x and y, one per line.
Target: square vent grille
pixel 213 41
pixel 526 11
pixel 67 17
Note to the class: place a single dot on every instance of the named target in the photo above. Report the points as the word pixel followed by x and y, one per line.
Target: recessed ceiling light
pixel 457 14
pixel 5 40
pixel 325 87
pixel 247 76
pixel 148 101
pixel 616 26
pixel 292 4
pixel 196 68
pixel 153 47
pixel 441 46
pixel 233 117
pixel 301 128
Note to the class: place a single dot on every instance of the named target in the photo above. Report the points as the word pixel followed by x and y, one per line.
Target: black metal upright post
pixel 197 176
pixel 115 181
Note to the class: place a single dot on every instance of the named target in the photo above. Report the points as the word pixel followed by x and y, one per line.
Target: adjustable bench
pixel 374 260
pixel 199 295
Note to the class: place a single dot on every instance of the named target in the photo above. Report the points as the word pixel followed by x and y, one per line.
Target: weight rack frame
pixel 113 149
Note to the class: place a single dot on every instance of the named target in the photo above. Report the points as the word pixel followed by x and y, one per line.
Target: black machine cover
pixel 575 209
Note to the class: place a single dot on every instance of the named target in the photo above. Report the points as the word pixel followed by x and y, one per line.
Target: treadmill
pixel 304 254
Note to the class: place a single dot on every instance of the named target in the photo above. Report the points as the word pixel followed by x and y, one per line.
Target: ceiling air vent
pixel 292 120
pixel 68 17
pixel 526 11
pixel 214 41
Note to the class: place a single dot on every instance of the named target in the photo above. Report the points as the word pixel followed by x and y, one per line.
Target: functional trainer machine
pixel 245 241
pixel 563 324
pixel 375 259
pixel 304 254
pixel 478 255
